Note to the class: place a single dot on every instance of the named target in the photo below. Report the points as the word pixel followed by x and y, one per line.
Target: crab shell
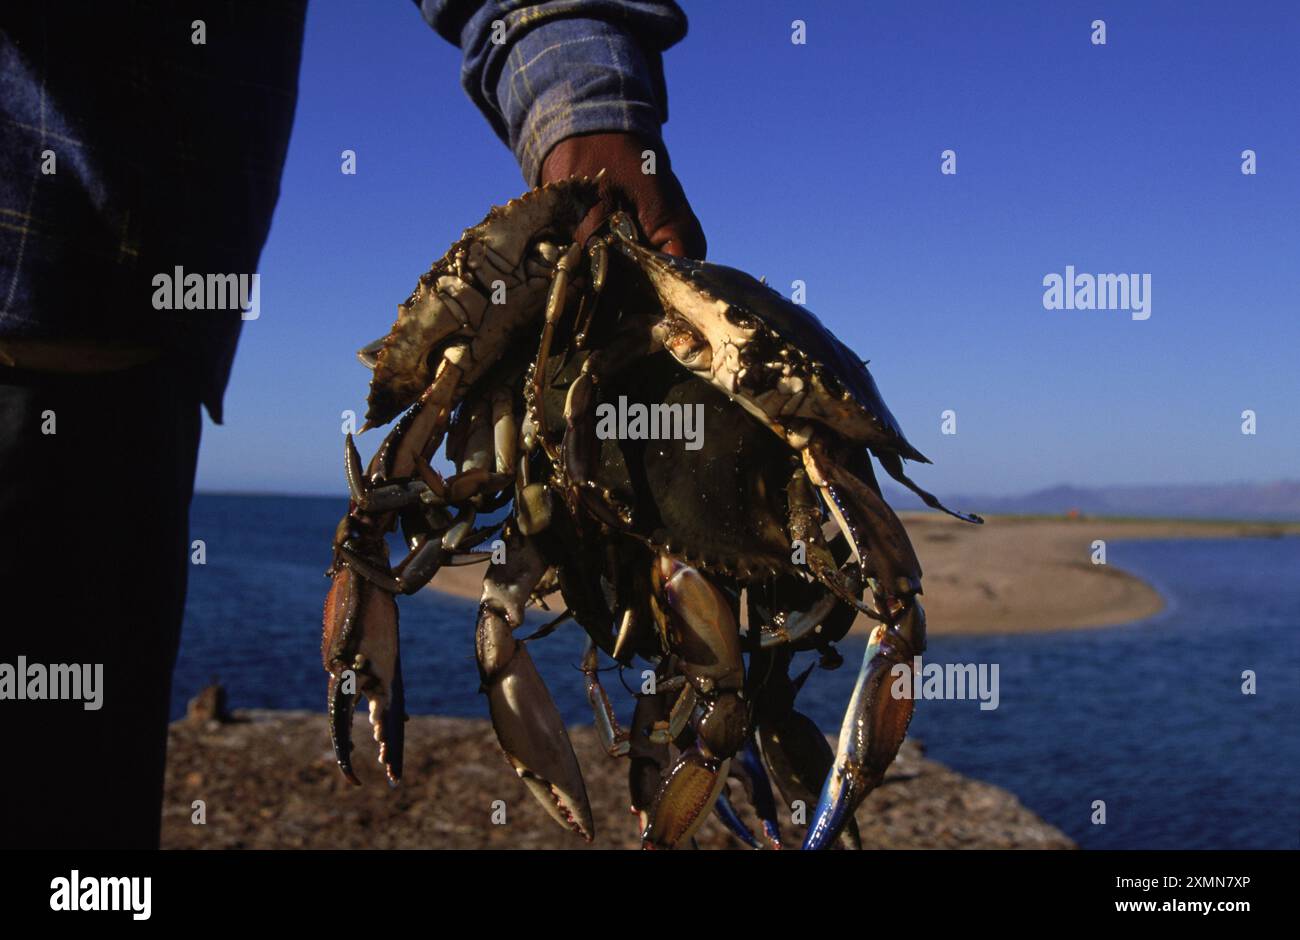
pixel 771 356
pixel 731 517
pixel 510 255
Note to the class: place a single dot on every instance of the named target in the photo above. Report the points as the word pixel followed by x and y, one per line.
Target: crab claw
pixel 755 780
pixel 528 725
pixel 648 757
pixel 731 819
pixel 360 652
pixel 800 759
pixel 689 790
pixel 747 768
pixel 874 726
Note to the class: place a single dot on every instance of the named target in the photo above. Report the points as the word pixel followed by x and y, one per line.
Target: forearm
pixel 544 72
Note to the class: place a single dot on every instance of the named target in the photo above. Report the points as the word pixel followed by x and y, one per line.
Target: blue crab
pixel 655 547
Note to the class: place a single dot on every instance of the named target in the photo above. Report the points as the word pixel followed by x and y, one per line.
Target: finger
pixel 599 212
pixel 658 200
pixel 683 238
pixel 666 217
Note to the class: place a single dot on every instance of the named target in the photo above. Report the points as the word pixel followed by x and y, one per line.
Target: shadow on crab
pixel 506 352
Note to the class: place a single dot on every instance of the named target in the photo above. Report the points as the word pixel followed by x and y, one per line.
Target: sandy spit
pixel 1014 574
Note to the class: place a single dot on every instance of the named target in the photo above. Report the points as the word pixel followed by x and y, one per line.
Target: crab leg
pixel 874 532
pixel 747 768
pixel 580 452
pixel 359 647
pixel 526 721
pixel 424 562
pixel 875 722
pixel 726 811
pixel 793 747
pixel 505 432
pixel 893 465
pixel 429 555
pixel 359 644
pixel 648 758
pixel 701 624
pixel 755 781
pixel 665 732
pixel 377 499
pixel 781 625
pixel 598 265
pixel 805 526
pixel 874 726
pixel 613 738
pixel 555 302
pixel 580 448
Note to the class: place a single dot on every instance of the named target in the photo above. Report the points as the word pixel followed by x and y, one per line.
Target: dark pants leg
pixel 94 553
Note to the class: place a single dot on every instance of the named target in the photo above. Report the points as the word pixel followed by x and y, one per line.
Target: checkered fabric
pixel 541 72
pixel 165 152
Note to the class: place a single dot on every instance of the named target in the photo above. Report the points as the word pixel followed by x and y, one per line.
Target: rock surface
pixel 268 780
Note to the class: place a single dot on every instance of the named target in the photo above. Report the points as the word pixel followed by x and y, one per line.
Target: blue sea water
pixel 1148 718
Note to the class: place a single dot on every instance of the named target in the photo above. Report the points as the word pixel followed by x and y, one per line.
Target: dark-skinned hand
pixel 659 203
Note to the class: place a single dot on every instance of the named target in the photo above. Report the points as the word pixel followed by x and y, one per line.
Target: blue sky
pixel 821 162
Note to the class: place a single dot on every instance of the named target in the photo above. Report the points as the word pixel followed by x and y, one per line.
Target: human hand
pixel 661 207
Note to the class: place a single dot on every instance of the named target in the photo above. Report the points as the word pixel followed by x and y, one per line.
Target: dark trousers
pixel 94 553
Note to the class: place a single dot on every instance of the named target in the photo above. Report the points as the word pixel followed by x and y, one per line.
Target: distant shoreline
pixel 1016 574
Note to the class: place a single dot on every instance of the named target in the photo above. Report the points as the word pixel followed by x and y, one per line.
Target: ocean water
pixel 1148 718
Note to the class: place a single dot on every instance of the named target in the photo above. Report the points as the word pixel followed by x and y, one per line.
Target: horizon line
pixel 342 493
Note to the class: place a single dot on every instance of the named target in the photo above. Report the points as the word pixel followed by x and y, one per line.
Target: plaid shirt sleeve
pixel 544 71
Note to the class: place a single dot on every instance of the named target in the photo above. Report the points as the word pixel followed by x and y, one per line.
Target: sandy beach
pixel 1015 574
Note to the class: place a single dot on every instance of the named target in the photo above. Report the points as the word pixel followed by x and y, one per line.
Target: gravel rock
pixel 268 780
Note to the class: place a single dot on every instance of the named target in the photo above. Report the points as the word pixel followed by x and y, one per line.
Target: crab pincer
pixel 747 768
pixel 360 653
pixel 875 725
pixel 700 620
pixel 527 723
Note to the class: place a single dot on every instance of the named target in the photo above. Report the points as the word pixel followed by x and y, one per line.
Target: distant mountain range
pixel 1277 500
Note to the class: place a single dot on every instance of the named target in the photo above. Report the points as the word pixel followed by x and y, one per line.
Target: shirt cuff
pixel 577 76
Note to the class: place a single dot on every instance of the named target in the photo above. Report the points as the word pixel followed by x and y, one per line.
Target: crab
pixel 506 352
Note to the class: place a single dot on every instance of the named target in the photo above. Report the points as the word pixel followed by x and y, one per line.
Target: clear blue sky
pixel 821 162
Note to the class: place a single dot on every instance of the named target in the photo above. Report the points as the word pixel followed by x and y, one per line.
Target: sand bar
pixel 1016 574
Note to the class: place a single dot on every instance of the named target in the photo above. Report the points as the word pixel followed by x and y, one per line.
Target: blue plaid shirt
pixel 555 69
pixel 169 154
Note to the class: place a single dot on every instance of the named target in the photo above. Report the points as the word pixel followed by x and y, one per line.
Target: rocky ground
pixel 268 780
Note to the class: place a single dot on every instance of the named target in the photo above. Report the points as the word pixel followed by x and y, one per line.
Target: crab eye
pixel 741 317
pixel 690 349
pixel 547 250
pixel 831 383
pixel 700 356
